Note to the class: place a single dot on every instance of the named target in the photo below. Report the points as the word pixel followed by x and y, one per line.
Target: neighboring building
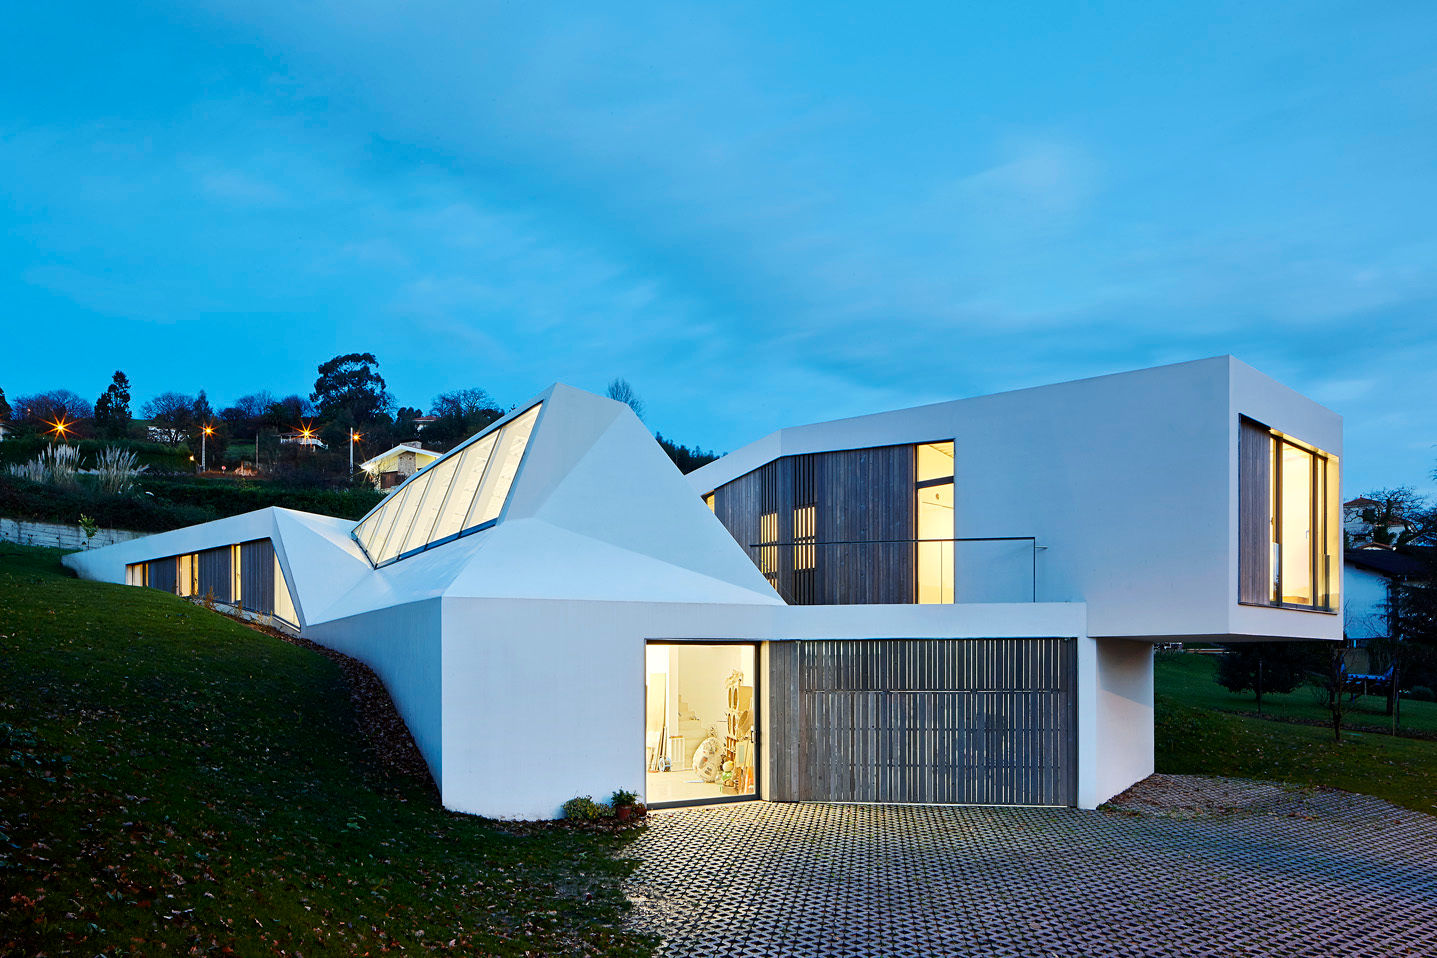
pixel 165 434
pixel 301 437
pixel 953 603
pixel 4 430
pixel 1371 599
pixel 393 466
pixel 421 421
pixel 1362 522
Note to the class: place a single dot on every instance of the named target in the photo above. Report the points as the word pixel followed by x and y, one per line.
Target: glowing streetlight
pixel 204 434
pixel 59 427
pixel 352 437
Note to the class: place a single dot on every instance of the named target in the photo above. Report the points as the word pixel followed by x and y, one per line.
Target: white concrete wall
pixel 1129 482
pixel 403 645
pixel 51 535
pixel 1115 717
pixel 556 689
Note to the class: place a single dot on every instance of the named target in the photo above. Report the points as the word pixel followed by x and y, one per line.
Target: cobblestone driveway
pixel 1181 866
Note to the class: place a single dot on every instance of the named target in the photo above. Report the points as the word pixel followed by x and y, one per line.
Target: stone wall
pixel 55 536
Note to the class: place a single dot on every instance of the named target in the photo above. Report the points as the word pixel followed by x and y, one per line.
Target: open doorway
pixel 700 719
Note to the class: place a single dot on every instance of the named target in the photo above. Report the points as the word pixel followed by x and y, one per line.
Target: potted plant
pixel 626 805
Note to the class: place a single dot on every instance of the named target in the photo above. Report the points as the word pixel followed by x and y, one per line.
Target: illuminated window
pixel 768 545
pixel 185 578
pixel 805 528
pixel 1290 535
pixel 236 579
pixel 933 514
pixel 460 493
pixel 284 609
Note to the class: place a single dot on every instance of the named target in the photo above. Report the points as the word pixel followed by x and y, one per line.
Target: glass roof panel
pixel 460 493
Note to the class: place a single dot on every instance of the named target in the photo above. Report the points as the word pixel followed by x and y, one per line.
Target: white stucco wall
pixel 1115 717
pixel 1129 482
pixel 557 688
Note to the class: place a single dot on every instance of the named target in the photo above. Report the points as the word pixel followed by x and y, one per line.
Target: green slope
pixel 171 781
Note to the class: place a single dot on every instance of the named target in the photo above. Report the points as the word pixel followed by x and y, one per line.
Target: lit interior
pixel 699 722
pixel 933 512
pixel 458 494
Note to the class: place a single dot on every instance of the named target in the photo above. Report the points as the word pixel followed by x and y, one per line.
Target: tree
pixel 351 388
pixel 246 416
pixel 4 408
pixel 685 458
pixel 620 391
pixel 287 413
pixel 1264 667
pixel 171 416
pixel 461 413
pixel 1399 504
pixel 112 409
pixel 464 402
pixel 53 406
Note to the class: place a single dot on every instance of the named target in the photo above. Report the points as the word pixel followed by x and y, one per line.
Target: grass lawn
pixel 1200 731
pixel 173 782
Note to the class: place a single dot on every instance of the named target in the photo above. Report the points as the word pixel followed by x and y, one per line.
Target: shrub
pixel 116 470
pixel 623 797
pixel 1421 693
pixel 584 809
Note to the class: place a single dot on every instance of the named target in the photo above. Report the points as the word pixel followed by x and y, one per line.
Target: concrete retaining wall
pixel 54 536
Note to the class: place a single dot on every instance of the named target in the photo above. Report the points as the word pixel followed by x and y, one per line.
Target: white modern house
pixel 952 603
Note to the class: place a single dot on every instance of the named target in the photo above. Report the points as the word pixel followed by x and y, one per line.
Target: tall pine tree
pixel 112 409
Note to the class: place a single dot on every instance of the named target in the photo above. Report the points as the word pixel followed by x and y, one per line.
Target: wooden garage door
pixel 967 721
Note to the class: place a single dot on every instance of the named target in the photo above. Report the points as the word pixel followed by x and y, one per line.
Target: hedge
pixel 169 504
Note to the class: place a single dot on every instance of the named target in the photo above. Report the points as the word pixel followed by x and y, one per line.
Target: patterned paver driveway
pixel 1181 867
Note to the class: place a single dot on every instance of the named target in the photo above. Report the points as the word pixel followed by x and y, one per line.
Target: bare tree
pixel 621 391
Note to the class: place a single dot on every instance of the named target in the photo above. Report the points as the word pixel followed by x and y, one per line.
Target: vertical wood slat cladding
pixel 214 574
pixel 257 576
pixel 1254 483
pixel 164 574
pixel 863 501
pixel 965 721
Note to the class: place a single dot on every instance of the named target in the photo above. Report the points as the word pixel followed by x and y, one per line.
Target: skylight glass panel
pixel 441 474
pixel 462 492
pixel 469 474
pixel 502 469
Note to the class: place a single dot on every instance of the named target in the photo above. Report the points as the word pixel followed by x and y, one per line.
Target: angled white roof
pixel 567 498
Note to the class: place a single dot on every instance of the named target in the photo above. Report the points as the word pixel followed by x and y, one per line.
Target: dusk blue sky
pixel 760 214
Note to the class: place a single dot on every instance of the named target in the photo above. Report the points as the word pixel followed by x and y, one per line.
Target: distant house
pixel 165 434
pixel 4 430
pixel 393 466
pixel 1372 576
pixel 421 421
pixel 301 437
pixel 1362 522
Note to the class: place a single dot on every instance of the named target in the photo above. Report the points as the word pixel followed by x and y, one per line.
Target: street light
pixel 205 434
pixel 352 436
pixel 59 427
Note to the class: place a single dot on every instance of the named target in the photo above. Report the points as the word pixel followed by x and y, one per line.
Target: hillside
pixel 171 780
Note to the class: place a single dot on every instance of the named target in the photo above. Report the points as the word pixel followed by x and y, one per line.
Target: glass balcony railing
pixel 901 571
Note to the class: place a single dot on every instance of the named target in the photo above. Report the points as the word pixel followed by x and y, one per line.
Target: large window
pixel 933 513
pixel 461 493
pixel 1290 538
